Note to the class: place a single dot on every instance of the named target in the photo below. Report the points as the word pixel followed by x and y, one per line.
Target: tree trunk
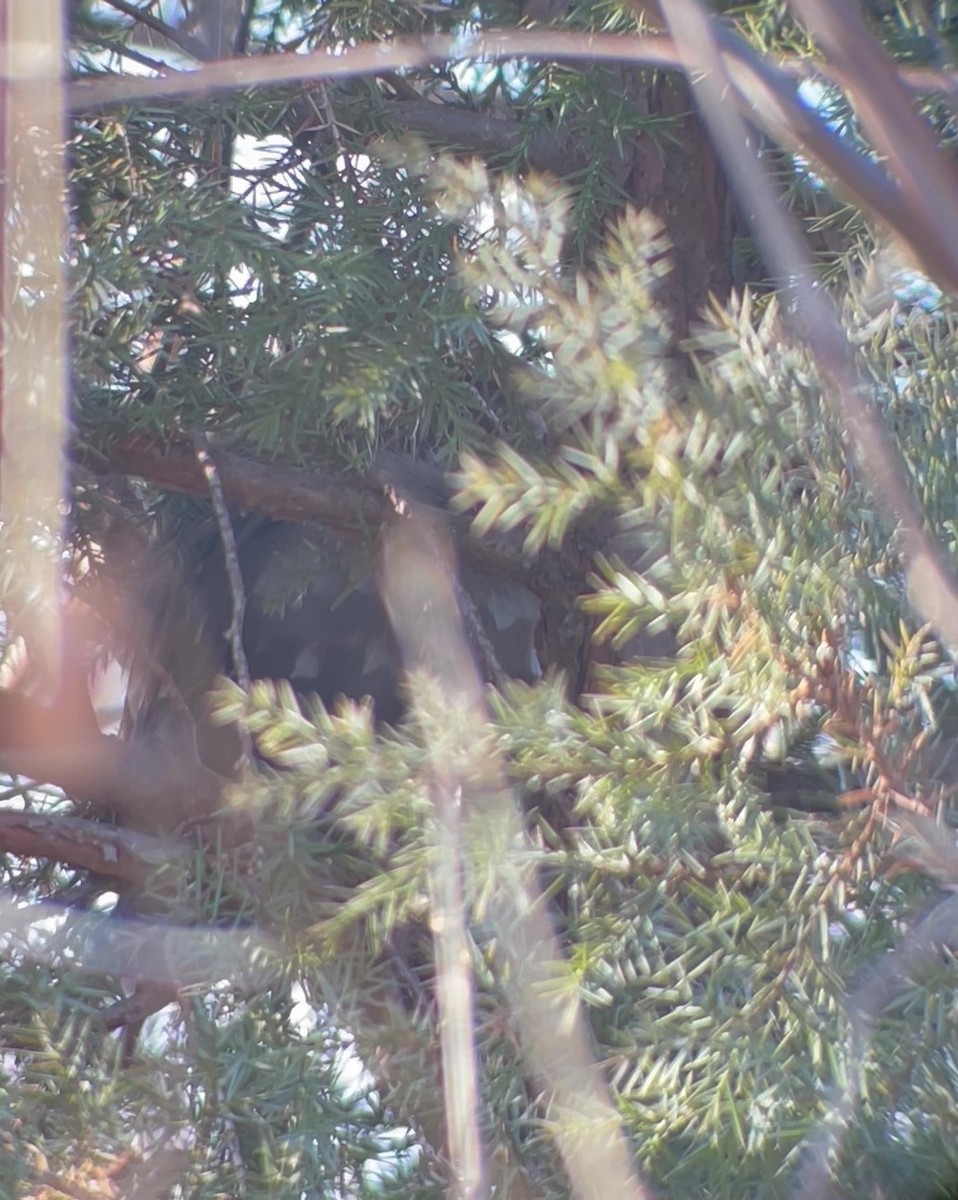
pixel 681 180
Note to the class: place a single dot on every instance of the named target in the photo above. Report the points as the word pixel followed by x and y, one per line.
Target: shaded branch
pixel 356 508
pixel 350 507
pixel 143 1002
pixel 123 854
pixel 283 492
pixel 490 136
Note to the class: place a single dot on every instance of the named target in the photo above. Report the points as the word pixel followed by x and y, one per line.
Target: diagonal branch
pixel 123 854
pixel 182 41
pixel 925 177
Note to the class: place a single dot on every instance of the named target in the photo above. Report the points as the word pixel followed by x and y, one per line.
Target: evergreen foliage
pixel 735 780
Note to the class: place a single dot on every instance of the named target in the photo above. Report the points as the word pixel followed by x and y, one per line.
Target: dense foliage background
pixel 732 789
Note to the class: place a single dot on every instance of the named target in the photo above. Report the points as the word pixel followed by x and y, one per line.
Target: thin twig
pixel 234 575
pixel 154 64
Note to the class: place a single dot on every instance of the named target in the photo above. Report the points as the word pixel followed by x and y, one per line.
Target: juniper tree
pixel 669 911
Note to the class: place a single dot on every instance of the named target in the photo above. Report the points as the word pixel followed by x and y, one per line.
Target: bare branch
pixel 283 492
pixel 350 507
pixel 926 178
pixel 234 576
pixel 122 854
pixel 376 59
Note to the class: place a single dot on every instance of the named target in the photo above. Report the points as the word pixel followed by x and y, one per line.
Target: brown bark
pixel 681 181
pixel 284 492
pixel 121 854
pixel 352 507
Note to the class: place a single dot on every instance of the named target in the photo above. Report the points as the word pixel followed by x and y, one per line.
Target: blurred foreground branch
pixel 479 833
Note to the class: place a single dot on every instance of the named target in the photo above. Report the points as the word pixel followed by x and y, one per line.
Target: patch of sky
pixel 477 75
pixel 397 1150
